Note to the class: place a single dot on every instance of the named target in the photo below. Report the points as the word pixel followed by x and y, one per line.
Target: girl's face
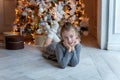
pixel 69 36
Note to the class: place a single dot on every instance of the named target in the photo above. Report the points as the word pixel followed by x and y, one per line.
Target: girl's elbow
pixel 62 66
pixel 74 64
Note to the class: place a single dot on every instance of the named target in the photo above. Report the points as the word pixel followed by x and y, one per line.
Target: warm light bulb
pixel 16 11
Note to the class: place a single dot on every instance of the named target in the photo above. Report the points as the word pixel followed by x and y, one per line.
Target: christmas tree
pixel 33 15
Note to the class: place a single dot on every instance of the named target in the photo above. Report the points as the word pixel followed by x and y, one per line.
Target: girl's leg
pixel 50 52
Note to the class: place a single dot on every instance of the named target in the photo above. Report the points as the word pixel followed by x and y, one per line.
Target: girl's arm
pixel 63 55
pixel 76 55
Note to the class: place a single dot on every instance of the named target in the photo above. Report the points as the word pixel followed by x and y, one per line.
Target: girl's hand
pixel 77 41
pixel 67 46
pixel 73 46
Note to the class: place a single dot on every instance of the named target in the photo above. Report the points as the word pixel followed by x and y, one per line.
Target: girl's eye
pixel 66 37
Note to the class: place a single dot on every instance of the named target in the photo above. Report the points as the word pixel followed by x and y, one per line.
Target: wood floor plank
pixel 103 68
pixel 28 64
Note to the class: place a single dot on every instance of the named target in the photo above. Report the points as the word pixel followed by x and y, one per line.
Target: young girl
pixel 67 52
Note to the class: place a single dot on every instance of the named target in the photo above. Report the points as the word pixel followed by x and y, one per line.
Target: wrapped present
pixel 40 39
pixel 14 42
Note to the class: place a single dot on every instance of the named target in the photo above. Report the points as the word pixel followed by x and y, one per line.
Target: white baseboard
pixel 113 46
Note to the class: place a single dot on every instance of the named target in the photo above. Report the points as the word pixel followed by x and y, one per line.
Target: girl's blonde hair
pixel 67 27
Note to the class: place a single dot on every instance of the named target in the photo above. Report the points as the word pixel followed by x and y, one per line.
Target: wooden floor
pixel 28 64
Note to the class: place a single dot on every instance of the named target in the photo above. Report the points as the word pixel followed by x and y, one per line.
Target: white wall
pixel 117 17
pixel 114 25
pixel 102 26
pixel 109 24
